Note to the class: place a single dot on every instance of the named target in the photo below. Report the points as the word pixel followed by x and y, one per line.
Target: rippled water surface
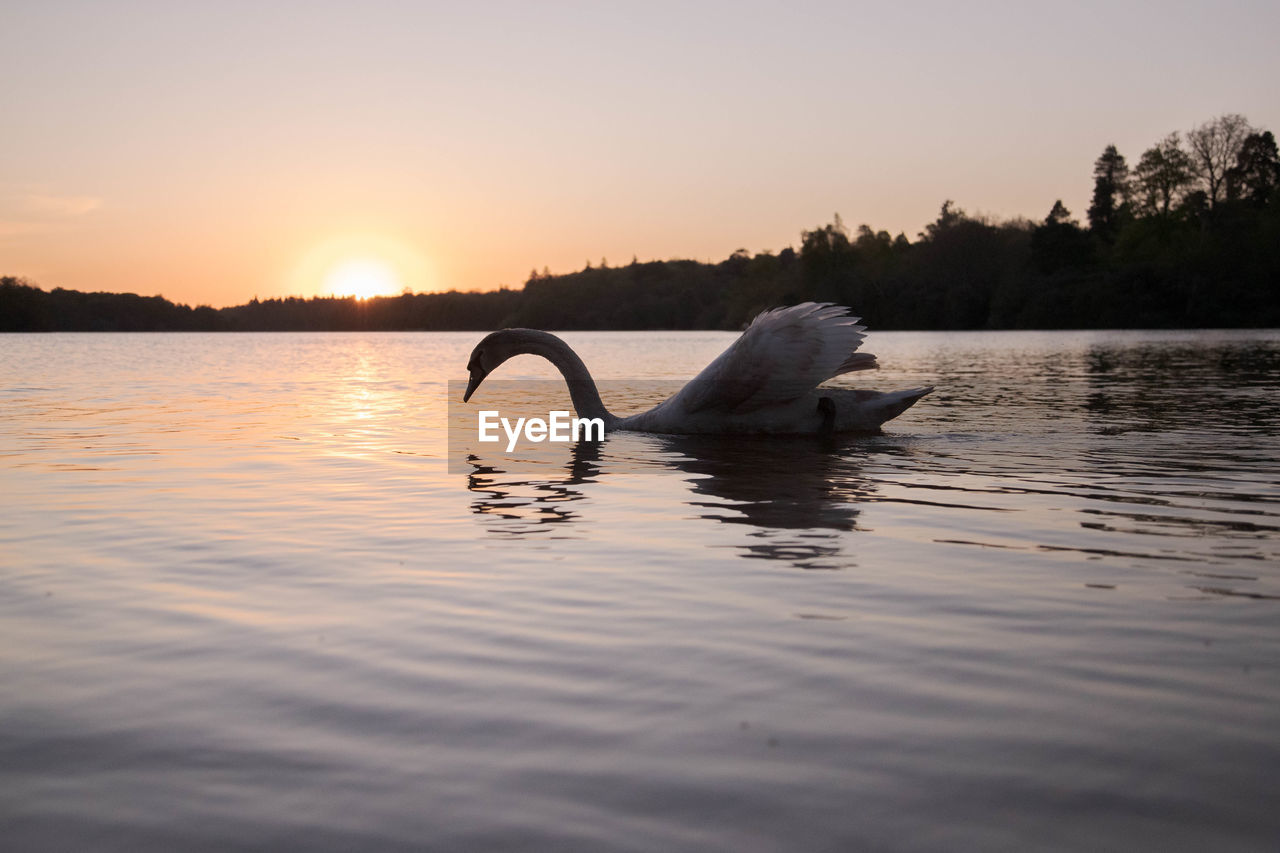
pixel 244 603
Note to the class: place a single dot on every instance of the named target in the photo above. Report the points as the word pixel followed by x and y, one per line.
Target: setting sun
pixel 363 265
pixel 362 278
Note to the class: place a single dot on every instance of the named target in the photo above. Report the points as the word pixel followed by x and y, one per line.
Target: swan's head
pixel 485 358
pixel 499 346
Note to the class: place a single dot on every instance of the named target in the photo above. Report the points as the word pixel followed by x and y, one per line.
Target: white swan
pixel 765 382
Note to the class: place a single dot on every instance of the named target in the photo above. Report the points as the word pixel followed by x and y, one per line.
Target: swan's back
pixel 782 356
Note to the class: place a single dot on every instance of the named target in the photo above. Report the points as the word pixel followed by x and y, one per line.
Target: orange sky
pixel 216 154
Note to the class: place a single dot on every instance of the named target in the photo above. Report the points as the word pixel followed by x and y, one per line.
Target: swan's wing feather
pixel 783 355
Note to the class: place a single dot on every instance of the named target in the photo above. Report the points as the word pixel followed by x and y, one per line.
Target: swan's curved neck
pixel 582 388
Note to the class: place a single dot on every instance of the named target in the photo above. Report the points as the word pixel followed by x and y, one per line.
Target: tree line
pixel 1189 237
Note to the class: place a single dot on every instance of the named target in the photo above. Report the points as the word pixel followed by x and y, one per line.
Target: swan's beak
pixel 477 376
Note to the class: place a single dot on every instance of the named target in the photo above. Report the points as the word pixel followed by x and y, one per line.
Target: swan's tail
pixel 893 403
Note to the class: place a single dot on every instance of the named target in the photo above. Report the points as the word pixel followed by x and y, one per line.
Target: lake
pixel 246 604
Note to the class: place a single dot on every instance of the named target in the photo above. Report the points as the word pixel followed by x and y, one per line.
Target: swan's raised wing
pixel 783 355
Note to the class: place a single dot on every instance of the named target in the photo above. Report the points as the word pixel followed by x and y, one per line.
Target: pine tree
pixel 1110 193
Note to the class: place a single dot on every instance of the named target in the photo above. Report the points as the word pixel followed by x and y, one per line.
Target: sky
pixel 216 152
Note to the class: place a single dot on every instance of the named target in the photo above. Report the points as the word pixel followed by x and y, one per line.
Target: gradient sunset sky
pixel 213 152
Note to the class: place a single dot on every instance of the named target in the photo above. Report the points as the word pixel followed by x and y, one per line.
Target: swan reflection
pixel 796 500
pixel 521 505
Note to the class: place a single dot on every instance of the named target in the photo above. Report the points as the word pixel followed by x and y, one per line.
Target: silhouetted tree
pixel 1162 176
pixel 873 245
pixel 826 261
pixel 1060 242
pixel 1058 215
pixel 1255 177
pixel 948 216
pixel 1195 205
pixel 1215 147
pixel 1110 193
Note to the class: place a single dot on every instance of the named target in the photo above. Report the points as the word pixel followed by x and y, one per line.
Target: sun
pixel 362 265
pixel 362 278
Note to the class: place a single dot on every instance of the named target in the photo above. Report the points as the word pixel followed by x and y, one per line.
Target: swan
pixel 766 382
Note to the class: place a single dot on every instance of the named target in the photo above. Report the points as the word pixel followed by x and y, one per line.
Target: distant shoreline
pixel 1205 268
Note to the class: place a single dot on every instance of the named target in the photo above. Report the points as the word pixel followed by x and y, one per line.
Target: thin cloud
pixel 61 206
pixel 25 211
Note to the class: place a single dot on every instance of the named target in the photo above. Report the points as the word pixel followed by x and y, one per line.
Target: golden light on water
pixel 363 266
